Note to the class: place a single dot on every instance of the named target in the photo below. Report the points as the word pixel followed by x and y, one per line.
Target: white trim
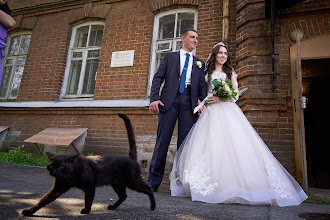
pixel 69 58
pixel 152 69
pixel 71 104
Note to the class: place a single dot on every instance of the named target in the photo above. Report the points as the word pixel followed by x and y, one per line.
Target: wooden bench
pixel 60 137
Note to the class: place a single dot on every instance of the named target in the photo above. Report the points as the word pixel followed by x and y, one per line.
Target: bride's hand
pixel 213 100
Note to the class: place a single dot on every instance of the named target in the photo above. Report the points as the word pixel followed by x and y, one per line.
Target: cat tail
pixel 131 137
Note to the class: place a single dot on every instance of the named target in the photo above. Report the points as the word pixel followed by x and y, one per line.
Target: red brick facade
pixel 129 26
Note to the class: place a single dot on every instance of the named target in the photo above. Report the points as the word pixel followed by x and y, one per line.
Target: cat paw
pixel 85 211
pixel 27 212
pixel 111 207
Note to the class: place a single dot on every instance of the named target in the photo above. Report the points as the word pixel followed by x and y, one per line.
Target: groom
pixel 184 85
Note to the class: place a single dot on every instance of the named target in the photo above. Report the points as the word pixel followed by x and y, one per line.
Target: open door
pixel 316 48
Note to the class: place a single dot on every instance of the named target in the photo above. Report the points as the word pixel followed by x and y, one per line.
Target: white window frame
pixel 8 42
pixel 84 59
pixel 155 41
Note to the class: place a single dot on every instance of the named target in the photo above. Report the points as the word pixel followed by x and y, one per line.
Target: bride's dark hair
pixel 210 65
pixel 5 8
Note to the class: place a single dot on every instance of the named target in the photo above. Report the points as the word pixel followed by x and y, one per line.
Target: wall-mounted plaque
pixel 122 58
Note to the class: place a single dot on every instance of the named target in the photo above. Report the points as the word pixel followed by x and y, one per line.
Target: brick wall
pixel 46 59
pixel 270 112
pixel 51 25
pixel 123 32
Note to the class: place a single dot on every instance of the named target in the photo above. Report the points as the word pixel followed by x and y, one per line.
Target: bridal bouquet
pixel 224 89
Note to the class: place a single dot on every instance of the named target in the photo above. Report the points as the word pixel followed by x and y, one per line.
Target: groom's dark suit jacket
pixel 169 70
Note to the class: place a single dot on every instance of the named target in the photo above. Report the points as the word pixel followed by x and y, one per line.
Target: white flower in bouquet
pixel 227 89
pixel 224 89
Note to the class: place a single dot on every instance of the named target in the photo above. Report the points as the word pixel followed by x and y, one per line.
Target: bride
pixel 223 159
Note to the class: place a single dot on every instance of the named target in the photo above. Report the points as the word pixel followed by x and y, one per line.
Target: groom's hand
pixel 201 110
pixel 153 107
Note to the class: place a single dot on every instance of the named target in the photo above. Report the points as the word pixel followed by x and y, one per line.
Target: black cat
pixel 86 173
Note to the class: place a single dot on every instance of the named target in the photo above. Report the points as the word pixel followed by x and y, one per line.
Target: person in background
pixel 6 23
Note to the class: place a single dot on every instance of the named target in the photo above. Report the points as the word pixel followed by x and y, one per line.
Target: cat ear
pixel 50 155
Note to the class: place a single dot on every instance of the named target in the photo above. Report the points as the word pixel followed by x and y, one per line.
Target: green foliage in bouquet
pixel 224 89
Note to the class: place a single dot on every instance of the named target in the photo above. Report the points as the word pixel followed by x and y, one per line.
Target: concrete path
pixel 22 186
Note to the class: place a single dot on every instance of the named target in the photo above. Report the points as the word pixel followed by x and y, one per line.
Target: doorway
pixel 315 87
pixel 310 71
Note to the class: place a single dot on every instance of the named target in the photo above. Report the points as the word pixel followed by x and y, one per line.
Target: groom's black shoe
pixel 154 188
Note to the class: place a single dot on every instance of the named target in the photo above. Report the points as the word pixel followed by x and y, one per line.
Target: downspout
pixel 225 20
pixel 272 33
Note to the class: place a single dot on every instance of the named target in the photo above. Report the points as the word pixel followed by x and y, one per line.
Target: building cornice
pixel 60 5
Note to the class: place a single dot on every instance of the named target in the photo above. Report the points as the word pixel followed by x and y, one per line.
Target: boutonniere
pixel 198 64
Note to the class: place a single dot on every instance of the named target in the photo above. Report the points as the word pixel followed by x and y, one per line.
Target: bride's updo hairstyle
pixel 210 63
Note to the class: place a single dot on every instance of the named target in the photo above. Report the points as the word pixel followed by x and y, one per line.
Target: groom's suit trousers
pixel 180 110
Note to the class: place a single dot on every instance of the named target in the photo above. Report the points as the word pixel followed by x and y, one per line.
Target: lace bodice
pixel 221 75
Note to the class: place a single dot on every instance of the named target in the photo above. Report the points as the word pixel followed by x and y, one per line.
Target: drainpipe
pixel 272 33
pixel 225 20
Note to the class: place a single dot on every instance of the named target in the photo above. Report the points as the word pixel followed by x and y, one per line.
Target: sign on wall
pixel 122 58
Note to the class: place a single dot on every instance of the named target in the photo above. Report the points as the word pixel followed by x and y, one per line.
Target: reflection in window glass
pixel 185 21
pixel 5 81
pixel 77 55
pixel 14 65
pixel 81 37
pixel 164 46
pixel 14 45
pixel 24 45
pixel 16 80
pixel 96 35
pixel 89 80
pixel 159 57
pixel 74 77
pixel 166 27
pixel 178 45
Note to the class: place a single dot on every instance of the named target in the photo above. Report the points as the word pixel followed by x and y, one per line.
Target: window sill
pixel 73 104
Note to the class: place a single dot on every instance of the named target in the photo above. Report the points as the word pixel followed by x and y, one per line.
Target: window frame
pixel 8 42
pixel 155 41
pixel 84 59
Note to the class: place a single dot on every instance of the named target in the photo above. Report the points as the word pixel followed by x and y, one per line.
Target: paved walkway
pixel 22 186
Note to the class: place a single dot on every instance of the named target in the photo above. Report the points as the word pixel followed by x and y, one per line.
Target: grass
pixel 16 155
pixel 317 200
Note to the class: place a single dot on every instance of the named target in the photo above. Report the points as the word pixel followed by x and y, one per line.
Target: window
pixel 13 65
pixel 167 34
pixel 83 60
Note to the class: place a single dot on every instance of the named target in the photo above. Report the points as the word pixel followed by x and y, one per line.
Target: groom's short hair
pixel 185 31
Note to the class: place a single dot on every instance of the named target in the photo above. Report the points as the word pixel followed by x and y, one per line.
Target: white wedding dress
pixel 223 160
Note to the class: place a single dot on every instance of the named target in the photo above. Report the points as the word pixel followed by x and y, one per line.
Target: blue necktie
pixel 183 75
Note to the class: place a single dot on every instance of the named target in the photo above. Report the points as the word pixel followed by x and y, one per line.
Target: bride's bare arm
pixel 235 85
